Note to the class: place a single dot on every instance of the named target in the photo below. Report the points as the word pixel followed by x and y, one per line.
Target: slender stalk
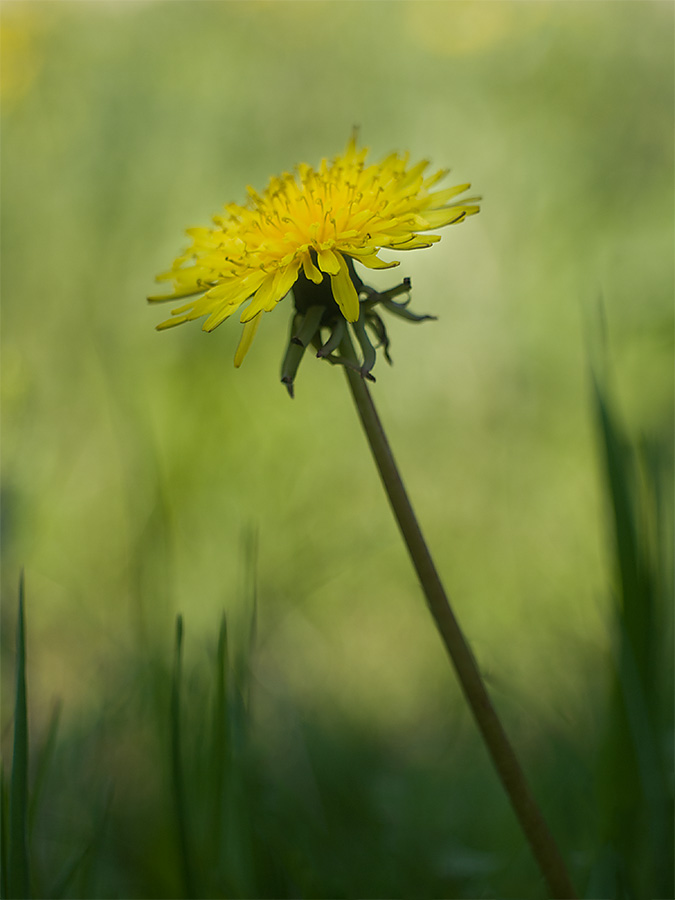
pixel 499 747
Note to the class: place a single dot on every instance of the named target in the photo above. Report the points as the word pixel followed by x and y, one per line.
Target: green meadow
pixel 233 687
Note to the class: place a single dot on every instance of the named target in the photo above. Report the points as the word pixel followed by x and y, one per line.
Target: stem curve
pixel 530 817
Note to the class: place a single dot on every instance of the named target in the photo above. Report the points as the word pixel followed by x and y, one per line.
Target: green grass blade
pixel 17 856
pixel 177 771
pixel 3 835
pixel 635 798
pixel 221 736
pixel 42 766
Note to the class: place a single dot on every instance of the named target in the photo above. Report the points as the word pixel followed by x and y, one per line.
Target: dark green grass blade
pixel 42 766
pixel 3 835
pixel 43 758
pixel 221 738
pixel 634 794
pixel 233 758
pixel 177 771
pixel 619 793
pixel 17 855
pixel 635 589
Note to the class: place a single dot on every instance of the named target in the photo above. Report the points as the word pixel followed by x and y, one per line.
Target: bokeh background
pixel 140 469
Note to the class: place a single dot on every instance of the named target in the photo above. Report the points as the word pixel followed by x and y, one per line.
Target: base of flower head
pixel 316 323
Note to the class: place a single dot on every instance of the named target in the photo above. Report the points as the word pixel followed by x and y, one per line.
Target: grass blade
pixel 42 765
pixel 17 861
pixel 221 737
pixel 177 772
pixel 634 794
pixel 3 835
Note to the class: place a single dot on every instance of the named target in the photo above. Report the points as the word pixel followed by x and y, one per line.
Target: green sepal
pixel 293 356
pixel 369 352
pixel 401 310
pixel 334 340
pixel 309 326
pixel 377 326
pixel 349 364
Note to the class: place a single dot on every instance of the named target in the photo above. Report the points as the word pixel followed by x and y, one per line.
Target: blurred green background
pixel 137 465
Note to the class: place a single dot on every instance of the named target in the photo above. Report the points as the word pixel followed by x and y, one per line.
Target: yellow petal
pixel 344 291
pixel 437 218
pixel 287 279
pixel 186 292
pixel 440 198
pixel 223 290
pixel 310 270
pixel 372 261
pixel 272 291
pixel 472 210
pixel 434 179
pixel 260 298
pixel 246 339
pixel 169 323
pixel 412 174
pixel 328 262
pixel 217 316
pixel 190 275
pixel 416 242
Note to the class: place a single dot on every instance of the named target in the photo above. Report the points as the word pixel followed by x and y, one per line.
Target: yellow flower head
pixel 308 225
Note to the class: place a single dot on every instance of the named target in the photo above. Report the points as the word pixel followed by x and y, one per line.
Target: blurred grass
pixel 15 863
pixel 133 461
pixel 268 801
pixel 635 789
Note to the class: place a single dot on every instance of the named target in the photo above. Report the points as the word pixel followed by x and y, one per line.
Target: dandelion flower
pixel 306 228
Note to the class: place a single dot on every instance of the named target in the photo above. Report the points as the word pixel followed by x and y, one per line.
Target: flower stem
pixel 503 755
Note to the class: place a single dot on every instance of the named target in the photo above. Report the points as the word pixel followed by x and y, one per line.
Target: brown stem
pixel 503 756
